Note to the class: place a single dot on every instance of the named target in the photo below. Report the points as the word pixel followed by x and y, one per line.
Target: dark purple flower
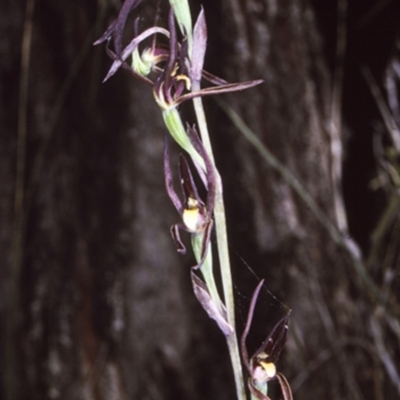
pixel 261 365
pixel 195 213
pixel 176 70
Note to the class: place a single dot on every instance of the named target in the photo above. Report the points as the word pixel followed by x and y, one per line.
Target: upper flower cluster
pixel 175 66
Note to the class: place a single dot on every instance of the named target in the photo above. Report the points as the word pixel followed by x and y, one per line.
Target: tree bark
pixel 96 302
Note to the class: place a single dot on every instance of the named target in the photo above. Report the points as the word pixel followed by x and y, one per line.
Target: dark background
pixel 95 303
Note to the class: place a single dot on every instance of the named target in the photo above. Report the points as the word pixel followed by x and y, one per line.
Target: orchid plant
pixel 172 64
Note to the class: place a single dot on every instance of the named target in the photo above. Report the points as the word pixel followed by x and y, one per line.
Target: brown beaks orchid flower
pixel 261 366
pixel 196 215
pixel 174 84
pixel 175 68
pixel 196 218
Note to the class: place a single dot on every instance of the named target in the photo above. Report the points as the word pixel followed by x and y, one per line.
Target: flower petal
pixel 131 47
pixel 169 184
pixel 274 343
pixel 215 80
pixel 210 175
pixel 188 186
pixel 116 28
pixel 228 88
pixel 199 47
pixel 245 333
pixel 285 387
pixel 127 67
pixel 203 296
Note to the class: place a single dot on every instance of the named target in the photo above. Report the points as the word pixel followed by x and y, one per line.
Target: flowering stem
pixel 222 244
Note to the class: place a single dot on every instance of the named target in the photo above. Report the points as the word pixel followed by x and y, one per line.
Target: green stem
pixel 222 244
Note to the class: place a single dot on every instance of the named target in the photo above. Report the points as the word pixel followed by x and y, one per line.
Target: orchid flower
pixel 172 86
pixel 196 218
pixel 261 365
pixel 196 215
pixel 175 67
